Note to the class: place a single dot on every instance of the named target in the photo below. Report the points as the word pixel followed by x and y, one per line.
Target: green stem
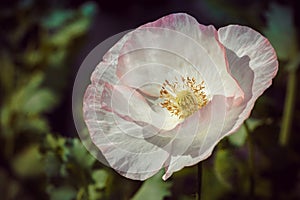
pixel 251 162
pixel 288 109
pixel 199 179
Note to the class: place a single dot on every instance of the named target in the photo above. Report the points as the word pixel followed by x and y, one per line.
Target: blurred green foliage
pixel 281 23
pixel 69 170
pixel 38 164
pixel 153 188
pixel 37 42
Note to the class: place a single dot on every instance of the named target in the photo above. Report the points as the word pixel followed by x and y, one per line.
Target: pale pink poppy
pixel 169 91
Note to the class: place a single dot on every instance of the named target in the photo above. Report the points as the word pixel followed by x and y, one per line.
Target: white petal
pixel 176 44
pixel 253 63
pixel 105 71
pixel 137 139
pixel 210 127
pixel 119 141
pixel 176 163
pixel 131 105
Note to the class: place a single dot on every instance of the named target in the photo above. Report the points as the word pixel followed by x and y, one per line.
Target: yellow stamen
pixel 183 99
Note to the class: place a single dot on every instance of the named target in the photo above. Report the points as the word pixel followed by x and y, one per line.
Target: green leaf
pixel 227 169
pixel 53 142
pixel 89 9
pixel 57 57
pixel 71 31
pixel 100 177
pixel 281 31
pixel 94 193
pixel 25 92
pixel 36 124
pixel 28 162
pixel 57 18
pixel 153 188
pixel 61 193
pixel 34 82
pixel 41 101
pixel 57 145
pixel 52 164
pixel 239 138
pixel 254 123
pixel 32 57
pixel 81 155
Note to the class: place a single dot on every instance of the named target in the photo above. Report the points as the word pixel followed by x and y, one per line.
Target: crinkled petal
pixel 175 45
pixel 137 139
pixel 131 105
pixel 211 126
pixel 253 63
pixel 105 71
pixel 131 148
pixel 120 142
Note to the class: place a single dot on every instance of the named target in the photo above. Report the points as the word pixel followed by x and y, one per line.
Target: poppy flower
pixel 166 93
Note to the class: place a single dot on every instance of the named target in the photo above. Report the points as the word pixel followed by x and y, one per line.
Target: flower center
pixel 183 99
